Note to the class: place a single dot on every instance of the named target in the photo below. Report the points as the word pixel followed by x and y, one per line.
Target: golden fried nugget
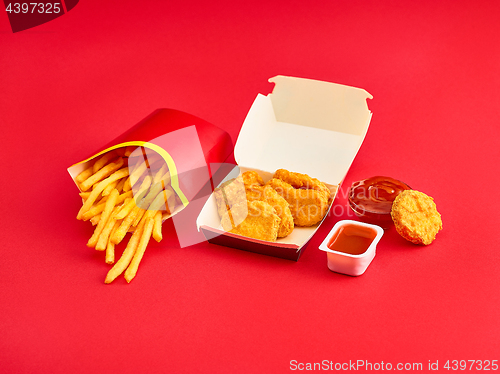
pixel 254 192
pixel 283 211
pixel 228 194
pixel 248 187
pixel 255 219
pixel 298 180
pixel 416 217
pixel 307 206
pixel 280 205
pixel 251 178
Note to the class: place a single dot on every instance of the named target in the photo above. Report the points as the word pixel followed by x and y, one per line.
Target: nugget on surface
pixel 416 217
pixel 255 219
pixel 308 206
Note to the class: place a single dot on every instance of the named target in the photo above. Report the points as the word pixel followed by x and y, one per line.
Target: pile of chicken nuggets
pixel 267 211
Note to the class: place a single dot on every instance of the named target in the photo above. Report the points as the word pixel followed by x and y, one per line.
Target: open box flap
pixel 306 126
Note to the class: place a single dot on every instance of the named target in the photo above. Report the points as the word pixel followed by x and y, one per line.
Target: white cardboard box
pixel 305 126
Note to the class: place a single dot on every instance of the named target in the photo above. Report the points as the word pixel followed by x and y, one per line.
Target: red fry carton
pixel 185 146
pixel 305 126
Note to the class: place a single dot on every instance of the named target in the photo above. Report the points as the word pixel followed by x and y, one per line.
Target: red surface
pixel 73 84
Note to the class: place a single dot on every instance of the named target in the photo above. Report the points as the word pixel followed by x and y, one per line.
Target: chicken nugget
pixel 298 180
pixel 416 217
pixel 228 194
pixel 307 206
pixel 254 193
pixel 251 178
pixel 282 210
pixel 270 196
pixel 255 219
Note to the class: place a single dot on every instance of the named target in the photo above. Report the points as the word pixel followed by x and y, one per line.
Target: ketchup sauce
pixel 371 199
pixel 352 239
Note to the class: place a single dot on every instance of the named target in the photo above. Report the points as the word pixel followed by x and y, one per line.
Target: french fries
pixel 101 174
pixel 106 213
pixel 139 252
pixel 120 195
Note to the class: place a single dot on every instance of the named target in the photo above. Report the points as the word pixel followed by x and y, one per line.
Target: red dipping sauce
pixel 371 199
pixel 352 239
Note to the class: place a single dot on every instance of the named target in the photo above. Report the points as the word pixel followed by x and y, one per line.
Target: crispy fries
pixel 138 217
pixel 108 208
pixel 84 195
pixel 102 161
pixel 160 173
pixel 157 235
pixel 120 185
pixel 84 175
pixel 110 248
pixel 95 220
pixel 108 189
pixel 102 242
pixel 120 195
pixel 127 255
pixel 100 187
pixel 137 173
pixel 141 248
pixel 124 226
pixel 126 209
pixel 101 174
pixel 129 150
pixel 100 206
pixel 127 186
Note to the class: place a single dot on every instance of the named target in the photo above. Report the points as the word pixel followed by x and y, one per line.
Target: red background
pixel 71 85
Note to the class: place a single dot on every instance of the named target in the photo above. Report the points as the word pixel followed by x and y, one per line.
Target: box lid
pixel 306 126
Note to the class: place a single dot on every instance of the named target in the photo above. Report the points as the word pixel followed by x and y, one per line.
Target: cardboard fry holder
pixel 191 148
pixel 306 126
